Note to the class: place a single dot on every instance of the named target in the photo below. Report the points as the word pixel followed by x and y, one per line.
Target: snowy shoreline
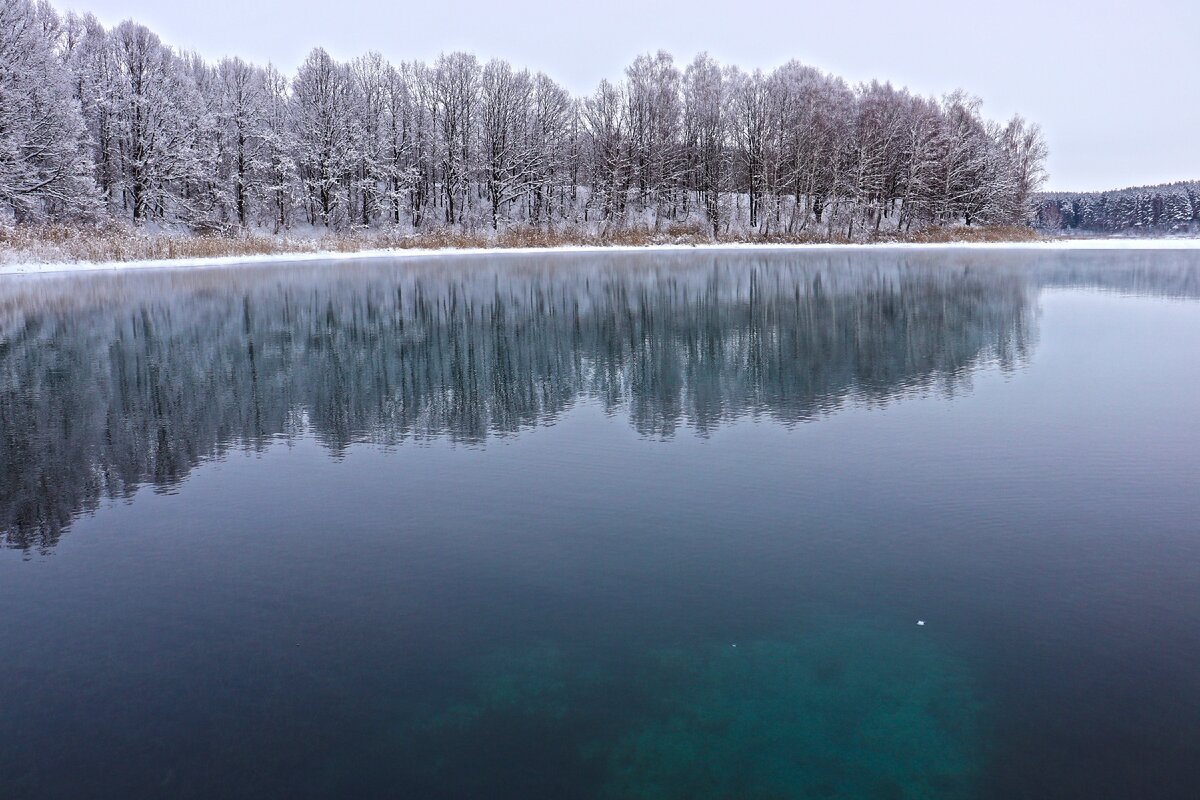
pixel 32 268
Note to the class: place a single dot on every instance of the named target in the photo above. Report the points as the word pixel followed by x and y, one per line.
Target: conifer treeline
pixel 1167 208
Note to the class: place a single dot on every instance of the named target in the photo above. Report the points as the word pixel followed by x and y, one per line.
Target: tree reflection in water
pixel 112 381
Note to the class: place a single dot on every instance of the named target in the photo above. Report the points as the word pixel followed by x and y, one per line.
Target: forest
pixel 112 126
pixel 1142 210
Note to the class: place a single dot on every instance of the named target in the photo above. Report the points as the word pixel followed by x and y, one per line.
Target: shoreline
pixel 37 268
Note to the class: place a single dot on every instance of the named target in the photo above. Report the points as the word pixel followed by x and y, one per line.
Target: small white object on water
pixel 735 645
pixel 920 622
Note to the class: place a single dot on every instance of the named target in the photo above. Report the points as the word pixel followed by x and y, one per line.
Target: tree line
pixel 114 124
pixel 1166 208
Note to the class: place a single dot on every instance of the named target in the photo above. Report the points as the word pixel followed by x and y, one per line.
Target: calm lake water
pixel 605 526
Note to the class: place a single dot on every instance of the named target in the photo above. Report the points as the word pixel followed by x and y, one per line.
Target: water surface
pixel 605 526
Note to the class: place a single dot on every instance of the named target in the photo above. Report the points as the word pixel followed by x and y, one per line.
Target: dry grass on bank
pixel 974 233
pixel 59 243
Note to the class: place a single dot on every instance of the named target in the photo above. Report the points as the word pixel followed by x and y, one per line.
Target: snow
pixel 283 258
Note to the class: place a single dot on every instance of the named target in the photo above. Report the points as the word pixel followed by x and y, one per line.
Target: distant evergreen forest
pixel 1146 210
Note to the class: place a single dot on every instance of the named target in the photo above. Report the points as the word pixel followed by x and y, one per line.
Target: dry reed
pixel 60 243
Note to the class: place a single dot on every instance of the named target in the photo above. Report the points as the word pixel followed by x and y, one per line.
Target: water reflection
pixel 112 381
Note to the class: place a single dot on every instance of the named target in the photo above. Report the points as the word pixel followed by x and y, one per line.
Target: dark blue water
pixel 605 526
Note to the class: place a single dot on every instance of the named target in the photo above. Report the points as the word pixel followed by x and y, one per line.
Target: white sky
pixel 1115 85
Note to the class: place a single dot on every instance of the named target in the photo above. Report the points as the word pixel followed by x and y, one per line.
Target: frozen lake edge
pixel 19 268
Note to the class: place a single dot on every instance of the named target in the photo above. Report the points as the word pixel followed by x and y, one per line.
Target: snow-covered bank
pixel 281 258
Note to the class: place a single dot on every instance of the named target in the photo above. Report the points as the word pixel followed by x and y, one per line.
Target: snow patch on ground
pixel 283 258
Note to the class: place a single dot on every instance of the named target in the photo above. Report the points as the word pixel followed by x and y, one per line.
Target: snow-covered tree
pixel 1141 209
pixel 325 153
pixel 455 95
pixel 242 120
pixel 610 165
pixel 655 131
pixel 705 135
pixel 45 165
pixel 508 156
pixel 96 121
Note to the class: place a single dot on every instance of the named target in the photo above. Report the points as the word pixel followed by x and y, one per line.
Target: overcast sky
pixel 1114 84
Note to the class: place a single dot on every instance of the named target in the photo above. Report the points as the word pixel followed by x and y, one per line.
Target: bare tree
pixel 45 169
pixel 98 121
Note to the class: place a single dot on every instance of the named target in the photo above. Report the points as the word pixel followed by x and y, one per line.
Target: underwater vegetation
pixel 542 682
pixel 512 729
pixel 836 711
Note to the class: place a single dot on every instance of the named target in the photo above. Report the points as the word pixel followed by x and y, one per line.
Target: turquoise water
pixel 604 526
pixel 838 709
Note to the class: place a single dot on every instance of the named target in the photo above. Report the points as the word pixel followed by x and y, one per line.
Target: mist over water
pixel 621 525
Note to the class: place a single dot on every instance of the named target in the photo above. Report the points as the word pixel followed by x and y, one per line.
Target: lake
pixel 859 523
